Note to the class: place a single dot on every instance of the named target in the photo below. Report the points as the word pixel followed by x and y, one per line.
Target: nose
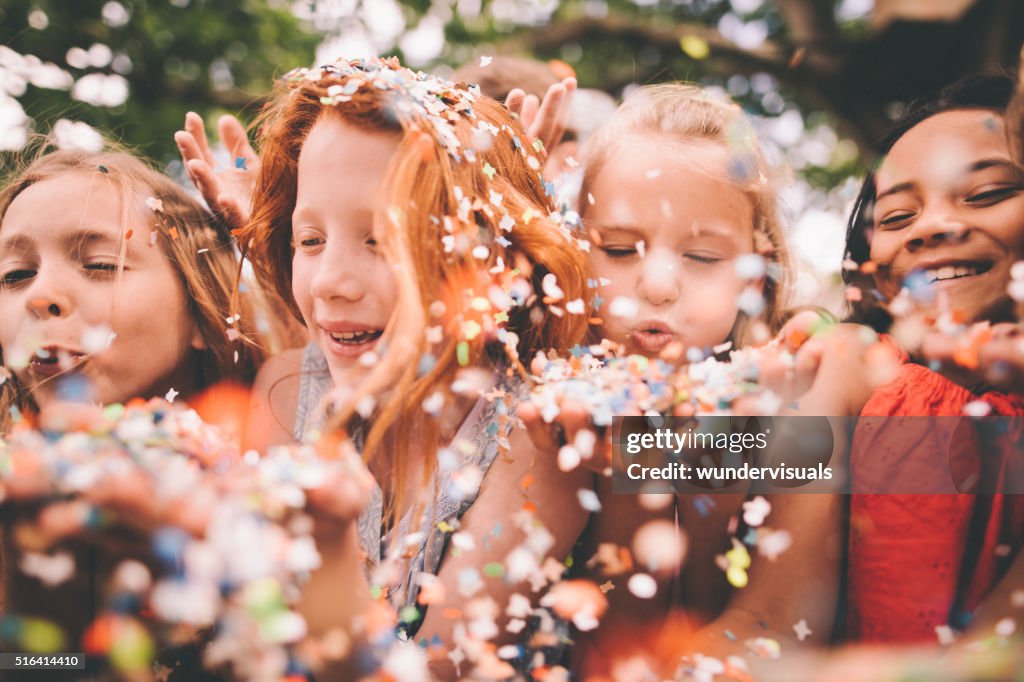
pixel 48 296
pixel 659 277
pixel 933 229
pixel 338 275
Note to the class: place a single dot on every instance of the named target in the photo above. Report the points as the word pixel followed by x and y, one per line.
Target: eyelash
pixel 15 277
pixel 982 199
pixel 622 252
pixel 619 251
pixel 993 196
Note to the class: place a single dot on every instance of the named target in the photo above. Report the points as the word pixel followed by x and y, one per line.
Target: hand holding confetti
pixel 993 352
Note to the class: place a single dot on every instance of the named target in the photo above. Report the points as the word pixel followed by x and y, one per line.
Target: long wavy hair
pixel 198 246
pixel 466 223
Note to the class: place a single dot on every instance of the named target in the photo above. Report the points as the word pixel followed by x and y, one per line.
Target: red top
pixel 916 560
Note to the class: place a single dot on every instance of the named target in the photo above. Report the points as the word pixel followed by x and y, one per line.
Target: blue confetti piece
pixel 598 302
pixel 240 163
pixel 729 635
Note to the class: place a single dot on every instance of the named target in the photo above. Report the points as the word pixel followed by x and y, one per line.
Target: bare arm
pixel 272 406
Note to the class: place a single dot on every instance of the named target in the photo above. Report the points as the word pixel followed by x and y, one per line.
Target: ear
pixel 198 340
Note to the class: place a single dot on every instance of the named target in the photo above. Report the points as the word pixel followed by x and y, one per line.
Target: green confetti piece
pixel 375 592
pixel 409 614
pixel 462 353
pixel 494 570
pixel 489 170
pixel 41 636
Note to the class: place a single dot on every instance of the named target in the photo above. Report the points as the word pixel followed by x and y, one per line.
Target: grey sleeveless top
pixel 461 467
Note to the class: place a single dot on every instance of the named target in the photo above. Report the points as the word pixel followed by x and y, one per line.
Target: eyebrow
pixel 16 242
pixel 85 238
pixel 979 165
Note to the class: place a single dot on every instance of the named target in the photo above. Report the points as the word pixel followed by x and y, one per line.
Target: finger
pixel 566 108
pixel 541 434
pixel 1003 360
pixel 194 125
pixel 206 182
pixel 938 346
pixel 528 112
pixel 514 100
pixel 232 134
pixel 233 215
pixel 805 369
pixel 546 125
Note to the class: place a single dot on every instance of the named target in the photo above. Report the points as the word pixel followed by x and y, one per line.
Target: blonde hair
pixel 466 216
pixel 199 248
pixel 685 113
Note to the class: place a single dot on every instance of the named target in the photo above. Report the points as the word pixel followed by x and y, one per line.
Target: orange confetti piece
pixel 173 233
pixel 966 356
pixel 868 268
pixel 526 481
pixel 129 233
pixel 561 69
pixel 529 507
pixel 452 613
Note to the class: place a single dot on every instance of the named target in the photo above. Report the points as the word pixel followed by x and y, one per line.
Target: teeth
pixel 351 337
pixel 950 272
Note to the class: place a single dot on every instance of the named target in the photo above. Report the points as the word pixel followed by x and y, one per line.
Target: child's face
pixel 344 288
pixel 692 223
pixel 950 213
pixel 60 296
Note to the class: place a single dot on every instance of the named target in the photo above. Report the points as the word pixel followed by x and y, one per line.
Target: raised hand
pixel 227 192
pixel 544 120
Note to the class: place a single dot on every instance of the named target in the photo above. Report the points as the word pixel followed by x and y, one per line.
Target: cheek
pixel 301 276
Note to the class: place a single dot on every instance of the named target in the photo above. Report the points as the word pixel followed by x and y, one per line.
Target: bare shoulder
pixel 275 395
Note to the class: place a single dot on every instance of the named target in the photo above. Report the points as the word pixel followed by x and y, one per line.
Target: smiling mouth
pixel 947 273
pixel 356 338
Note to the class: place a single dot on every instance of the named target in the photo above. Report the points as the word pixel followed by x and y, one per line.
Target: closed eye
pixel 702 258
pixel 16 277
pixel 619 251
pixel 895 220
pixel 100 269
pixel 993 195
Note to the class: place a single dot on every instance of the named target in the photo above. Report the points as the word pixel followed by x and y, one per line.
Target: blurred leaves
pixel 175 54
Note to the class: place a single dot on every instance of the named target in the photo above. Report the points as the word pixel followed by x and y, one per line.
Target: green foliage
pixel 173 47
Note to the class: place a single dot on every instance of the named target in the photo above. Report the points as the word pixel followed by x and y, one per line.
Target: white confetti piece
pixel 624 307
pixel 485 60
pixel 945 635
pixel 171 395
pixel 750 266
pixel 550 287
pixel 589 500
pixel 756 510
pixel 568 458
pixel 51 570
pixel 801 630
pixel 642 586
pixel 575 306
pixel 1006 627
